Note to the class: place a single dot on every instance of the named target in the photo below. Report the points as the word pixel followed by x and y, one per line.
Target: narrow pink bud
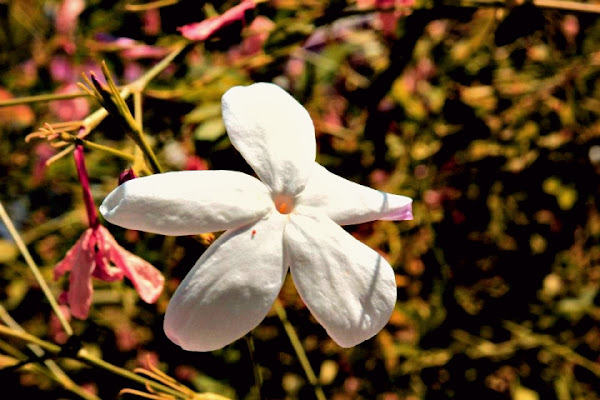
pixel 90 207
pixel 126 175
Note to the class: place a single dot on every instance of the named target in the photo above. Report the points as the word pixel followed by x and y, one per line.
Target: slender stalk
pixel 87 358
pixel 300 353
pixel 551 4
pixel 55 371
pixel 151 5
pixel 255 367
pixel 98 362
pixel 141 141
pixel 564 5
pixel 34 269
pixel 137 110
pixel 26 337
pixel 143 81
pixel 114 152
pixel 41 98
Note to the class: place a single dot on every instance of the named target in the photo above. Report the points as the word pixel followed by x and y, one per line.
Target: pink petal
pixel 70 109
pixel 67 263
pixel 67 15
pixel 144 51
pixel 203 30
pixel 80 280
pixel 104 271
pixel 146 279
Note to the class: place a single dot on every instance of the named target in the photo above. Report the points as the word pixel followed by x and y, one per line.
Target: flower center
pixel 284 203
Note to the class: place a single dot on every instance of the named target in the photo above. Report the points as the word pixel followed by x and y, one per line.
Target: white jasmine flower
pixel 288 218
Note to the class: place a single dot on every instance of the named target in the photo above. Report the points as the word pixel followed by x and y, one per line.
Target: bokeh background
pixel 486 114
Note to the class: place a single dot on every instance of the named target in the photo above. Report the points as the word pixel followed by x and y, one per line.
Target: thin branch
pixel 34 269
pixel 84 356
pixel 151 5
pixel 255 367
pixel 42 98
pixel 55 371
pixel 300 353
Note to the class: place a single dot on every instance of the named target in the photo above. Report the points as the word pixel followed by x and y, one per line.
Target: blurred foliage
pixel 487 117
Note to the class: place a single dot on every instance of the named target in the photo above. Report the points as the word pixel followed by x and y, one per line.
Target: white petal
pixel 347 202
pixel 348 287
pixel 273 132
pixel 230 289
pixel 187 202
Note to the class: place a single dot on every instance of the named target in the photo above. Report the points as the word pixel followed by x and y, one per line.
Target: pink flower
pixel 129 48
pixel 257 35
pixel 70 109
pixel 92 255
pixel 144 51
pixel 151 22
pixel 61 69
pixel 67 16
pixel 205 29
pixel 43 152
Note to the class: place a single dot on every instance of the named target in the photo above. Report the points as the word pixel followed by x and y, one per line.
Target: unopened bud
pixel 126 175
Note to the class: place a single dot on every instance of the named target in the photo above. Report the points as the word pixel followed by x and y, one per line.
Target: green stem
pixel 56 372
pixel 115 152
pixel 151 5
pixel 95 118
pixel 34 269
pixel 138 87
pixel 100 363
pixel 41 97
pixel 85 357
pixel 141 83
pixel 137 110
pixel 110 98
pixel 550 4
pixel 255 367
pixel 300 353
pixel 148 152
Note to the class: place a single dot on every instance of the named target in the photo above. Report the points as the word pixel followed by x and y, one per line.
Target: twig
pixel 151 5
pixel 35 270
pixel 84 356
pixel 255 367
pixel 300 353
pixel 55 371
pixel 41 98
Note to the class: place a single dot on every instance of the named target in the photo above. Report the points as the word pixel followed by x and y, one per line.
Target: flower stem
pixel 151 5
pixel 114 152
pixel 56 372
pixel 41 98
pixel 34 269
pixel 141 83
pixel 257 374
pixel 300 353
pixel 84 356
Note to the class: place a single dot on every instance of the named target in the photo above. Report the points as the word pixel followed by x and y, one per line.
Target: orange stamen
pixel 282 207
